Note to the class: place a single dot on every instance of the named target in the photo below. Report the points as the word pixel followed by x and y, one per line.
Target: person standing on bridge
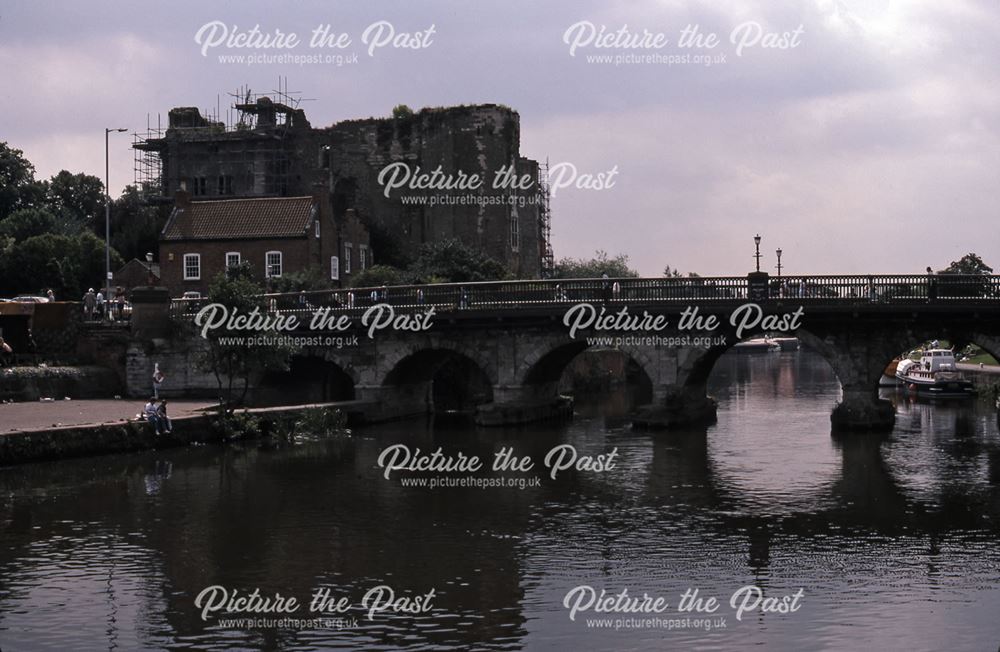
pixel 931 285
pixel 89 303
pixel 605 288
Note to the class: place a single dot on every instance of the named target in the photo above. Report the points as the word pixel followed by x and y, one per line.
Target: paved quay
pixel 42 415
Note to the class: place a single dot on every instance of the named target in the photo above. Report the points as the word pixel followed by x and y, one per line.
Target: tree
pixel 75 200
pixel 310 279
pixel 614 267
pixel 968 264
pixel 231 360
pixel 950 284
pixel 18 188
pixel 401 111
pixel 451 261
pixel 135 226
pixel 25 223
pixel 377 275
pixel 67 264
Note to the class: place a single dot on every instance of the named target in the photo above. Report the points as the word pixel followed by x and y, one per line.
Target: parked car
pixel 190 301
pixel 25 298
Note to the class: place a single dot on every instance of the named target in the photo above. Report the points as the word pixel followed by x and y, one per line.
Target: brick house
pixel 276 235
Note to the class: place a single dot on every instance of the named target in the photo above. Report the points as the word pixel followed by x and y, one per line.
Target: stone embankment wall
pixel 34 383
pixel 131 436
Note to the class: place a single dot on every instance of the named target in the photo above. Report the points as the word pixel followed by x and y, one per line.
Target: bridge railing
pixel 493 295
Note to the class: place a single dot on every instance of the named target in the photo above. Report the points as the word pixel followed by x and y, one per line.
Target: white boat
pixel 934 375
pixel 757 345
pixel 786 343
pixel 888 378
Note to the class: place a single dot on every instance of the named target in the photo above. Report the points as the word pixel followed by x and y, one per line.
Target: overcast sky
pixel 868 144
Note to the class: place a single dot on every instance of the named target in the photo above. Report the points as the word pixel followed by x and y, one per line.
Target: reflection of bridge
pixel 510 339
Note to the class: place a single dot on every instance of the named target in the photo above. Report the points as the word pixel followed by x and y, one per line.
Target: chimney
pixel 182 198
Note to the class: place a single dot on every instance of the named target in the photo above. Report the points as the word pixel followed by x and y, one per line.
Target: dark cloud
pixel 846 151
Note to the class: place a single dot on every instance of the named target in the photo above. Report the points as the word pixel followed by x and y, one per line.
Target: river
pixel 888 542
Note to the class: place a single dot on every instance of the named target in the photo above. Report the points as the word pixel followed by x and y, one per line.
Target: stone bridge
pixel 501 348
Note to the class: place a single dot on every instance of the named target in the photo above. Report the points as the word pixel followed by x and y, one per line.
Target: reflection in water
pixel 893 539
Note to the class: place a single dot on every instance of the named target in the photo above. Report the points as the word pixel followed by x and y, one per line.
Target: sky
pixel 857 136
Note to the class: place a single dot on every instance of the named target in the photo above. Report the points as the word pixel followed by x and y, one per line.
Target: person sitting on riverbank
pixel 161 412
pixel 152 415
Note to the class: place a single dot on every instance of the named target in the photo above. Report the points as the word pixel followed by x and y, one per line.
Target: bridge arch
pixel 545 371
pixel 437 379
pixel 309 378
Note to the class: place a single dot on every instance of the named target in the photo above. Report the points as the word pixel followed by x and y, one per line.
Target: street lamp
pixel 756 242
pixel 778 251
pixel 107 220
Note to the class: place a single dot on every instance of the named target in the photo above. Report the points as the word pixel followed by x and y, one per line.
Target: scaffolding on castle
pixel 545 220
pixel 147 165
pixel 264 165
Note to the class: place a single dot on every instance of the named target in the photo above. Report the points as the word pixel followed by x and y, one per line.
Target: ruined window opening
pixel 347 258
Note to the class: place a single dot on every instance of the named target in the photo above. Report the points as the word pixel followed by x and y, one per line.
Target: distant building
pixel 273 151
pixel 136 273
pixel 277 235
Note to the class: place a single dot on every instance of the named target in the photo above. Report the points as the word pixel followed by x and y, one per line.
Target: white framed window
pixel 335 268
pixel 362 257
pixel 317 228
pixel 233 259
pixel 272 264
pixel 515 236
pixel 192 267
pixel 348 249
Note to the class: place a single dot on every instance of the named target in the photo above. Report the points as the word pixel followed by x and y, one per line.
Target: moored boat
pixel 757 345
pixel 888 378
pixel 786 343
pixel 934 376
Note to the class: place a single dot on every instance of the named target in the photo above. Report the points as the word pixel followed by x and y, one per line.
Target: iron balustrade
pixel 495 295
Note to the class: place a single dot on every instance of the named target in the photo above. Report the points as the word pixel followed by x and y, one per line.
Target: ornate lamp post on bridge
pixel 757 284
pixel 778 251
pixel 107 221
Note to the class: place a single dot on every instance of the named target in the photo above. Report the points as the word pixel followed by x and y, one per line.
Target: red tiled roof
pixel 240 219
